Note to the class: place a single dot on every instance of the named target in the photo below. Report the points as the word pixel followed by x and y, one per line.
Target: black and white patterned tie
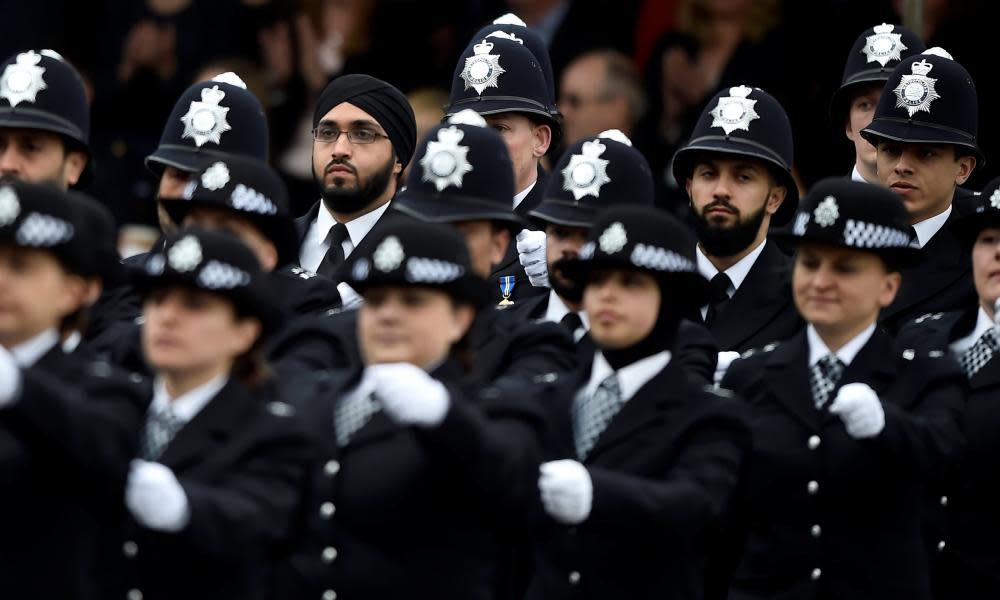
pixel 161 427
pixel 976 357
pixel 592 412
pixel 824 377
pixel 352 413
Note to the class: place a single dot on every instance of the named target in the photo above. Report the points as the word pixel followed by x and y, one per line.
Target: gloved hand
pixel 859 408
pixel 567 491
pixel 408 394
pixel 726 358
pixel 155 498
pixel 10 378
pixel 531 254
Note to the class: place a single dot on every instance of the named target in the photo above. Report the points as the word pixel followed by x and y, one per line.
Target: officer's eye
pixel 414 298
pixel 501 127
pixel 362 136
pixel 327 134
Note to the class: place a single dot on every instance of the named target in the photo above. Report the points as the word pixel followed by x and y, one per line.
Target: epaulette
pixel 302 273
pixel 928 317
pixel 715 390
pixel 765 348
pixel 280 409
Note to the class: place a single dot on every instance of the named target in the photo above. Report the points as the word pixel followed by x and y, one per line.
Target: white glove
pixel 155 498
pixel 408 394
pixel 567 491
pixel 859 408
pixel 531 254
pixel 10 378
pixel 725 359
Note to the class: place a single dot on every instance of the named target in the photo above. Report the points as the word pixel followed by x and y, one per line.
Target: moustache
pixel 339 163
pixel 720 204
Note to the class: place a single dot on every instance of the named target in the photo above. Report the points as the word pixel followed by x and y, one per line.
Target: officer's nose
pixel 10 163
pixel 904 163
pixel 342 146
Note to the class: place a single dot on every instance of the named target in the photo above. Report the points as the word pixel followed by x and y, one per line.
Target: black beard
pixel 564 288
pixel 348 201
pixel 721 241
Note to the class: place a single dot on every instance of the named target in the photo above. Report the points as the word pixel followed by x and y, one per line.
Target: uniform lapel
pixel 210 428
pixel 942 265
pixel 875 365
pixel 763 294
pixel 788 374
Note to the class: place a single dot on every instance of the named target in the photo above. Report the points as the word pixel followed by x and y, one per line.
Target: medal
pixel 506 289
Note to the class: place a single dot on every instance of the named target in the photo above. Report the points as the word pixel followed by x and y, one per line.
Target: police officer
pixel 214 490
pixel 363 136
pixel 871 60
pixel 736 169
pixel 66 422
pixel 962 517
pixel 592 175
pixel 924 131
pixel 642 461
pixel 848 426
pixel 425 473
pixel 44 120
pixel 501 79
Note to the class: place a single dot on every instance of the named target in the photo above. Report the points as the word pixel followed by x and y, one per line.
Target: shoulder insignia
pixel 280 409
pixel 135 378
pixel 928 316
pixel 100 369
pixel 303 273
pixel 545 377
pixel 935 354
pixel 749 353
pixel 718 391
pixel 770 347
pixel 909 353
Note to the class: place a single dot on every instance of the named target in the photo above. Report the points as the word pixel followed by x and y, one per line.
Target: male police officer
pixel 925 134
pixel 364 132
pixel 737 173
pixel 873 56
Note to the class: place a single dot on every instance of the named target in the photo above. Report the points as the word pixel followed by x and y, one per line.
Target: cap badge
pixel 613 239
pixel 205 120
pixel 9 206
pixel 445 162
pixel 735 111
pixel 389 254
pixel 482 69
pixel 916 91
pixel 185 255
pixel 883 46
pixel 215 177
pixel 587 171
pixel 22 80
pixel 994 202
pixel 826 212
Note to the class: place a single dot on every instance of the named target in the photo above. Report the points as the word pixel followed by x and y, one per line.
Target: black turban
pixel 387 105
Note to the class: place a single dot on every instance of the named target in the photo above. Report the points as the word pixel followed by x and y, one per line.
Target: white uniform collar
pixel 187 405
pixel 928 228
pixel 27 353
pixel 520 196
pixel 631 377
pixel 857 176
pixel 314 246
pixel 818 348
pixel 737 273
pixel 983 323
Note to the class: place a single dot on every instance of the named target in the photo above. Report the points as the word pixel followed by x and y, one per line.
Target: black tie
pixel 718 290
pixel 571 322
pixel 335 255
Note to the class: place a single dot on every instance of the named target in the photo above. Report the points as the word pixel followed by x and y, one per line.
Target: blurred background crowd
pixel 646 67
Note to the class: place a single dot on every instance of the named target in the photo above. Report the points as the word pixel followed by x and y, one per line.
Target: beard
pixel 728 241
pixel 347 200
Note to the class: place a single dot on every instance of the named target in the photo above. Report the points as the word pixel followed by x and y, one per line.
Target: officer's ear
pixel 775 196
pixel 73 166
pixel 966 164
pixel 542 138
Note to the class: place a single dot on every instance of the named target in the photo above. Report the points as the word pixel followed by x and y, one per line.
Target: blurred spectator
pixel 600 90
pixel 428 109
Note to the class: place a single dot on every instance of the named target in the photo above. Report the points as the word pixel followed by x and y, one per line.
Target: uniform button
pixel 816 574
pixel 130 549
pixel 814 442
pixel 329 595
pixel 816 531
pixel 134 595
pixel 812 487
pixel 327 509
pixel 331 468
pixel 941 546
pixel 574 577
pixel 329 554
pixel 944 500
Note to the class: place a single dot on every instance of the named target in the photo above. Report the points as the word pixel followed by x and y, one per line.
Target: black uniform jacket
pixel 663 474
pixel 830 516
pixel 696 349
pixel 964 515
pixel 511 265
pixel 940 282
pixel 404 511
pixel 65 447
pixel 242 461
pixel 761 311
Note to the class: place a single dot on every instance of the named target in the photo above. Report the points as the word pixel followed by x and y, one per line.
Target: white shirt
pixel 557 309
pixel 857 176
pixel 818 348
pixel 736 273
pixel 983 324
pixel 927 228
pixel 189 404
pixel 520 196
pixel 27 353
pixel 315 246
pixel 630 378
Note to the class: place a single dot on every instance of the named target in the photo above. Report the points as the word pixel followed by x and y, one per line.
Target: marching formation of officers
pixel 489 380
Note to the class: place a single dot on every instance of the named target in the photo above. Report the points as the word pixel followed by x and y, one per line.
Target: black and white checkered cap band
pixel 43 231
pixel 861 234
pixel 221 276
pixel 650 257
pixel 418 270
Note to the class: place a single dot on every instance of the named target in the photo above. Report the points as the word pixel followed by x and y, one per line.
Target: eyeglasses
pixel 329 135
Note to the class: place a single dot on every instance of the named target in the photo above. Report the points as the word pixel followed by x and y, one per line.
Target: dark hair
pixel 251 368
